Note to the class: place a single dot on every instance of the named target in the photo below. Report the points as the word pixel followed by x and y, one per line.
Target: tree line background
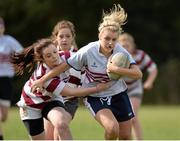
pixel 155 25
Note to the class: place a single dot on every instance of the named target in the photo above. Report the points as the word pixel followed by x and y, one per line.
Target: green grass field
pixel 158 122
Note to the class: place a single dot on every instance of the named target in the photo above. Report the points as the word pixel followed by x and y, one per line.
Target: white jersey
pixel 145 63
pixel 52 90
pixel 8 45
pixel 95 65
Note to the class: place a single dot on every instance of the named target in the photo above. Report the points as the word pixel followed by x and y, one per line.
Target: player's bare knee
pixel 113 129
pixel 125 136
pixel 134 120
pixel 62 126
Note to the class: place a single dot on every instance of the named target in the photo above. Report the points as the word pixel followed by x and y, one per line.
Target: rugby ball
pixel 121 60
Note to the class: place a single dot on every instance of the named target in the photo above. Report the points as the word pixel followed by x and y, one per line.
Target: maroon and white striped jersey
pixel 51 91
pixel 145 63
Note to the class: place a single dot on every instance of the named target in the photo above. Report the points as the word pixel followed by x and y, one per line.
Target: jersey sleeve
pixel 79 59
pixel 131 60
pixel 148 63
pixel 15 45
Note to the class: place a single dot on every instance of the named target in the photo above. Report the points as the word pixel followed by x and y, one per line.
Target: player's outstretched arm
pixel 67 91
pixel 54 72
pixel 148 84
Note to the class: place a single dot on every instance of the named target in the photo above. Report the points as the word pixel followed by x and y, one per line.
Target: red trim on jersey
pixel 141 59
pixel 74 50
pixel 95 73
pixel 53 85
pixel 31 103
pixel 43 70
pixel 148 64
pixel 4 58
pixel 74 80
pixel 82 72
pixel 88 77
pixel 98 77
pixel 66 54
pixel 40 95
pixel 27 99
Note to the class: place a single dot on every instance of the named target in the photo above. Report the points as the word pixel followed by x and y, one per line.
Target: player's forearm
pixel 55 72
pixel 134 72
pixel 152 76
pixel 84 91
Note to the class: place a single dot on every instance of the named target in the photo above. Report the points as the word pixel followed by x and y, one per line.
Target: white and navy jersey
pixel 52 90
pixel 145 63
pixel 95 65
pixel 8 45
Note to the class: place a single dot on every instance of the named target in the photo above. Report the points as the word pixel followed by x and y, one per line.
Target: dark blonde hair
pixel 127 37
pixel 64 24
pixel 30 56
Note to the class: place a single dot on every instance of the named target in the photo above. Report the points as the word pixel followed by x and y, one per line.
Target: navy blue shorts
pixel 119 105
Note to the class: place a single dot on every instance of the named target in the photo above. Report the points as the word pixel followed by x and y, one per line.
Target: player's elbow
pixel 137 74
pixel 140 74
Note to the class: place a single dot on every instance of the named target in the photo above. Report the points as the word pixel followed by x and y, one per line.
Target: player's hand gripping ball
pixel 121 60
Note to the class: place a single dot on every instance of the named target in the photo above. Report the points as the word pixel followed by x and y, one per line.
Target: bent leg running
pixel 106 118
pixel 60 123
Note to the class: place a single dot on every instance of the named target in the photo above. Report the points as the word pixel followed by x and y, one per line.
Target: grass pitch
pixel 158 122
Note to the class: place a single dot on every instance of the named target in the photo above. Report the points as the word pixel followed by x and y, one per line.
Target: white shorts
pixel 34 113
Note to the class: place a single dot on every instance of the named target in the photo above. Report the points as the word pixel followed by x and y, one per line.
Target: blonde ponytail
pixel 114 19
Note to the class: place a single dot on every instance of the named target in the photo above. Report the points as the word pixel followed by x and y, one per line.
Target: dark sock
pixel 1 137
